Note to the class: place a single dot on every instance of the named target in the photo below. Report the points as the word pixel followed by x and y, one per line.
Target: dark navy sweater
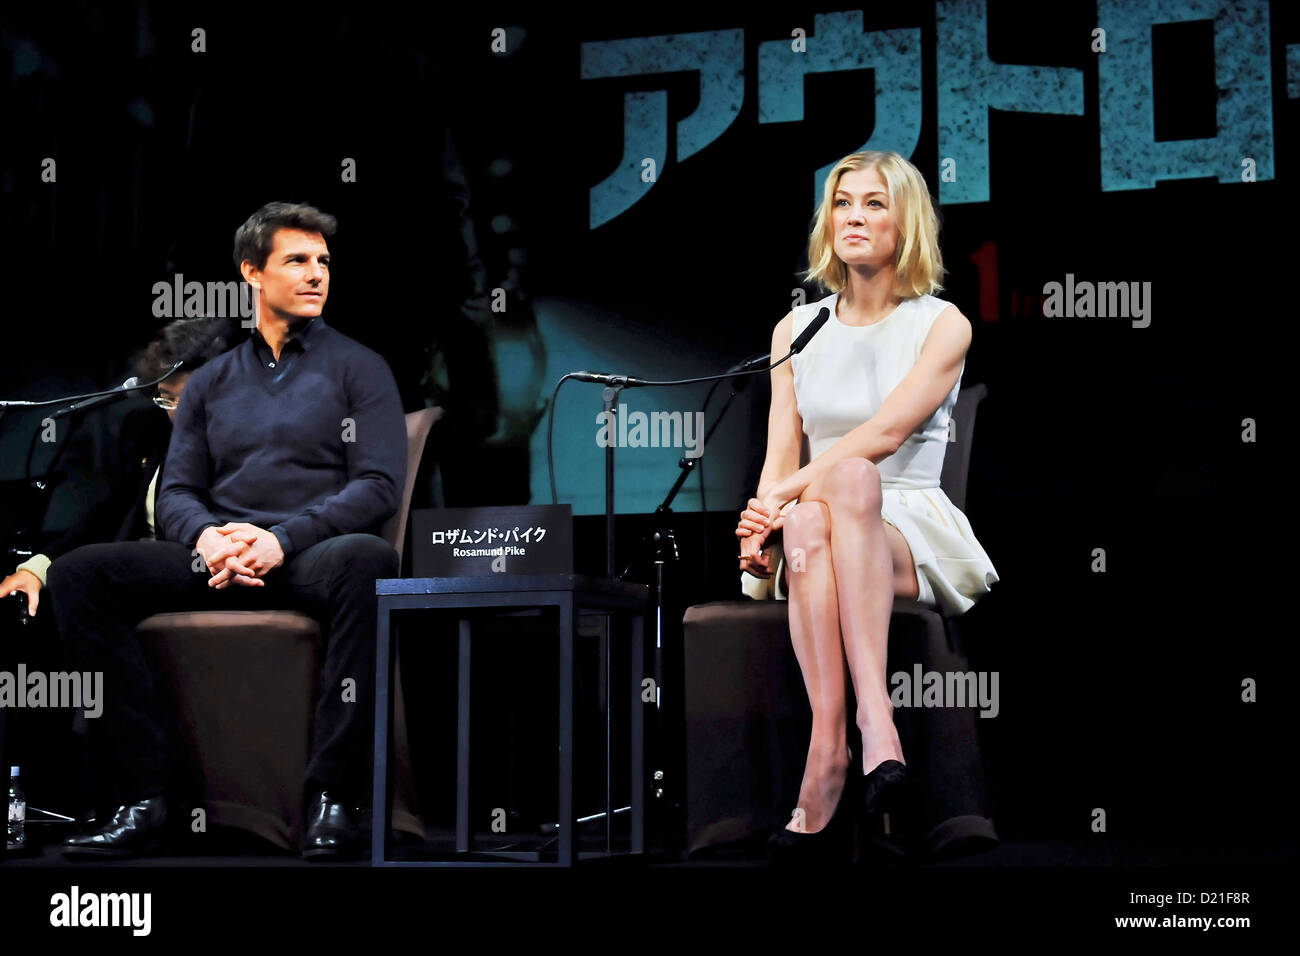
pixel 308 447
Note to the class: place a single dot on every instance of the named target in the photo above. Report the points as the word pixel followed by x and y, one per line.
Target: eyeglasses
pixel 165 401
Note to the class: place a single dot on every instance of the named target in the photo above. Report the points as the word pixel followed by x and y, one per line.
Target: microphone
pixel 83 402
pixel 745 368
pixel 94 399
pixel 112 396
pixel 813 328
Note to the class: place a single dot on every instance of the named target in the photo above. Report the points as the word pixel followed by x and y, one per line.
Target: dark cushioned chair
pixel 747 717
pixel 243 683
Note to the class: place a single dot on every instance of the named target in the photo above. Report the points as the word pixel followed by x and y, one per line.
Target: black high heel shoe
pixel 884 803
pixel 883 789
pixel 833 843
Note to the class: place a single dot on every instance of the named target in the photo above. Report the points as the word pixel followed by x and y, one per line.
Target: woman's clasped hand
pixel 761 517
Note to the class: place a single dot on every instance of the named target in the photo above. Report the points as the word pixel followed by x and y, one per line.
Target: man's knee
pixel 366 556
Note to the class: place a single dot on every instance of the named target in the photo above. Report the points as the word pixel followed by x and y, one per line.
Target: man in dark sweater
pixel 287 455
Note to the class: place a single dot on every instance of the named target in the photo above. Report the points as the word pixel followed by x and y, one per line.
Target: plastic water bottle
pixel 17 835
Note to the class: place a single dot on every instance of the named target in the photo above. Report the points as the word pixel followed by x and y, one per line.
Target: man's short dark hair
pixel 192 341
pixel 253 240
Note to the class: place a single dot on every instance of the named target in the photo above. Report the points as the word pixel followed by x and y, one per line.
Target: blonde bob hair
pixel 918 263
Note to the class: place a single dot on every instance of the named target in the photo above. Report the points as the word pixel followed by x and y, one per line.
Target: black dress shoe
pixel 330 832
pixel 134 830
pixel 833 843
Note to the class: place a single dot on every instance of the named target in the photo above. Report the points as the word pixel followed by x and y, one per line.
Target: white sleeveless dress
pixel 840 381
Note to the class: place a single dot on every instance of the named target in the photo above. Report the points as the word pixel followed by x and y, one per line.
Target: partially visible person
pixel 127 514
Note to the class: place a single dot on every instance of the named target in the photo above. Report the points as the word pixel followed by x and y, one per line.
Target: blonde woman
pixel 857 432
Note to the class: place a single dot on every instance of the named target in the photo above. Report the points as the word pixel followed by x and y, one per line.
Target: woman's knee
pixel 854 485
pixel 807 526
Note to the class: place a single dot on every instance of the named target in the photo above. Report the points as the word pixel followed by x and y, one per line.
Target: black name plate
pixel 510 539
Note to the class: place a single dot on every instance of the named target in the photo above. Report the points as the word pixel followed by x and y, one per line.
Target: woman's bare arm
pixel 784 445
pixel 784 426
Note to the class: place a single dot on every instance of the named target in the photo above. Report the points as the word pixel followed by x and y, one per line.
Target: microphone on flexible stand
pixel 747 368
pixel 113 396
pixel 614 383
pixel 81 403
pixel 740 371
pixel 739 375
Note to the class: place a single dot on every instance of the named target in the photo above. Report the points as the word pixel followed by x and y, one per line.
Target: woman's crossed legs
pixel 844 566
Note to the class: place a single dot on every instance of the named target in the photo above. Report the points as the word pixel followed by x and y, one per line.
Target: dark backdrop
pixel 1120 689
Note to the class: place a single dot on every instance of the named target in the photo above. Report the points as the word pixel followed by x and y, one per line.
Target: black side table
pixel 572 594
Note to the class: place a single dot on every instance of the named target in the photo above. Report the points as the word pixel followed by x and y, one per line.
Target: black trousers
pixel 99 592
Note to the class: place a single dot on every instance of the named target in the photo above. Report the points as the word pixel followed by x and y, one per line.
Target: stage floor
pixel 252 852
